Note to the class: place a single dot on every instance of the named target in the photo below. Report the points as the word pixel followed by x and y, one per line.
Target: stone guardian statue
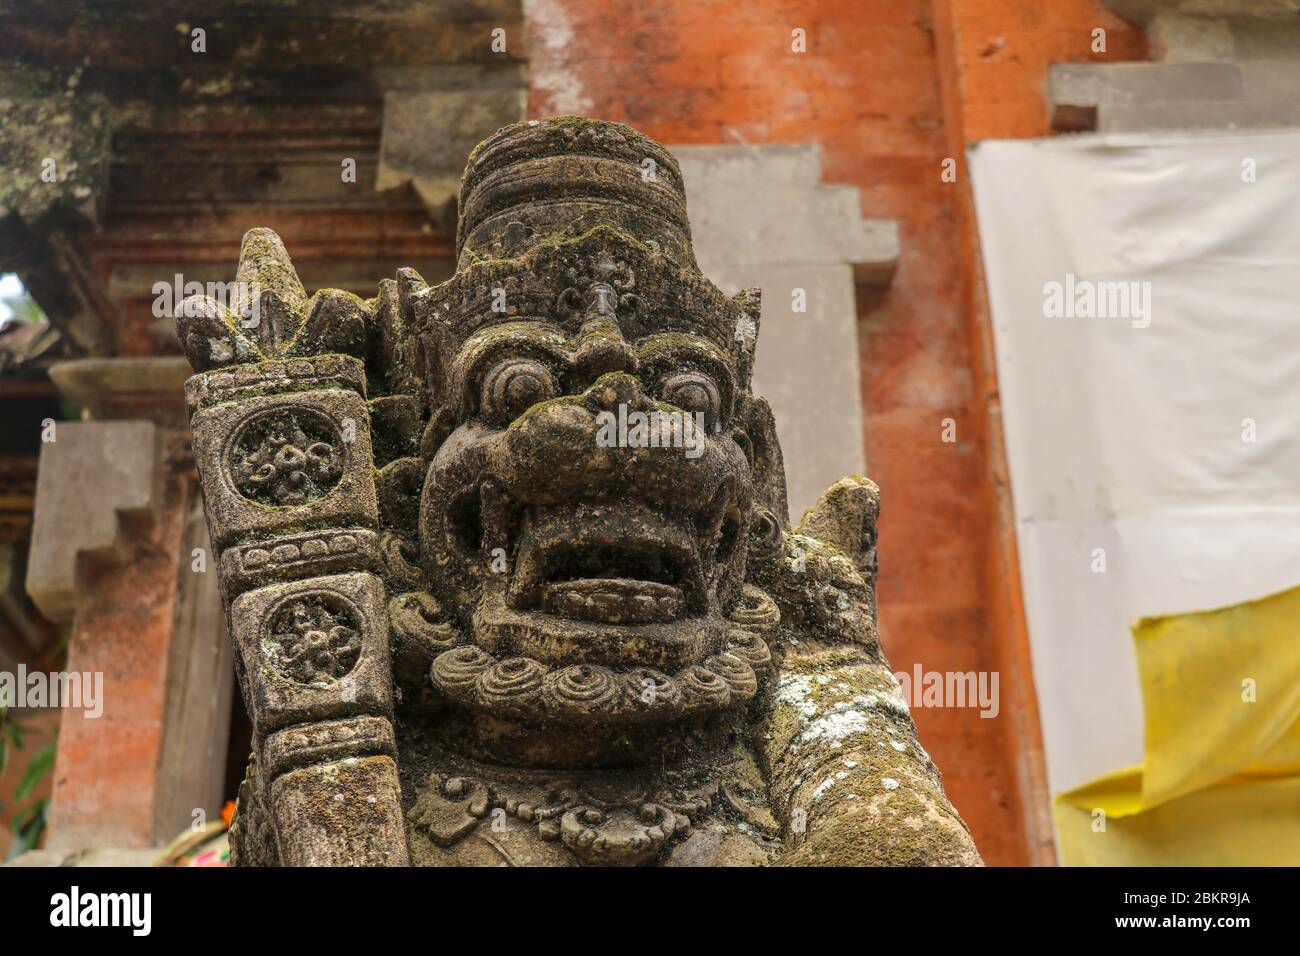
pixel 507 561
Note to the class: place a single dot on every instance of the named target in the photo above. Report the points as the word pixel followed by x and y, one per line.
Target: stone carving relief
pixel 286 457
pixel 313 639
pixel 539 603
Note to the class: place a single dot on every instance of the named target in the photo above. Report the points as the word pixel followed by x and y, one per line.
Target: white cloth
pixel 1130 439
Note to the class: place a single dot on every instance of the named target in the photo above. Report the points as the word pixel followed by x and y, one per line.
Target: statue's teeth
pixel 616 601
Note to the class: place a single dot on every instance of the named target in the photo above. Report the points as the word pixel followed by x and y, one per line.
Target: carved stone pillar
pixel 284 456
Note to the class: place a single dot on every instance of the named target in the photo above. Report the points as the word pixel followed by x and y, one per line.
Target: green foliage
pixel 28 826
pixel 40 765
pixel 28 823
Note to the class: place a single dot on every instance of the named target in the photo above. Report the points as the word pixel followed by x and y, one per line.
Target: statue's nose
pixel 600 349
pixel 612 390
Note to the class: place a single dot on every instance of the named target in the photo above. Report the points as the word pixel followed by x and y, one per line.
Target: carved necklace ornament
pixel 502 620
pixel 619 825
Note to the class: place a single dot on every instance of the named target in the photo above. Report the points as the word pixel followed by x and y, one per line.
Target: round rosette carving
pixel 286 456
pixel 703 689
pixel 314 639
pixel 512 684
pixel 650 691
pixel 456 672
pixel 580 690
pixel 739 676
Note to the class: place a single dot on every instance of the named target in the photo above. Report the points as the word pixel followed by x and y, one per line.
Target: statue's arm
pixel 849 778
pixel 282 444
pixel 847 774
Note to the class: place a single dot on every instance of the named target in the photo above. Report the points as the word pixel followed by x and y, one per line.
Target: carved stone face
pixel 591 501
pixel 587 509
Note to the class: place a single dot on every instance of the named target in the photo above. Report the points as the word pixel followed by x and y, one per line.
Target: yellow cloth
pixel 1220 779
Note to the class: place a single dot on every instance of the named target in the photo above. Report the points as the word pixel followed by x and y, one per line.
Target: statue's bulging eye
pixel 694 392
pixel 514 386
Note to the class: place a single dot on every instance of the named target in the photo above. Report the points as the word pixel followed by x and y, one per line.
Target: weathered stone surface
pixel 1143 11
pixel 344 813
pixel 611 649
pixel 284 462
pixel 299 555
pixel 1180 39
pixel 428 133
pixel 308 744
pixel 133 770
pixel 313 650
pixel 57 150
pixel 711 848
pixel 1078 89
pixel 1210 80
pixel 1207 115
pixel 90 475
pixel 275 377
pixel 109 388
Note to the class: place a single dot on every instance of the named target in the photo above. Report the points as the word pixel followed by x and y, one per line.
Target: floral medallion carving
pixel 286 456
pixel 314 639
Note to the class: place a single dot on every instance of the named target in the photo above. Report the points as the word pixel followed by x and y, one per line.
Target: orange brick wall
pixel 106 766
pixel 1002 49
pixel 888 95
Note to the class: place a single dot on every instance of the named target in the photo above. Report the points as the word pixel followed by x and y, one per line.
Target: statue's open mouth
pixel 592 565
pixel 606 582
pixel 617 578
